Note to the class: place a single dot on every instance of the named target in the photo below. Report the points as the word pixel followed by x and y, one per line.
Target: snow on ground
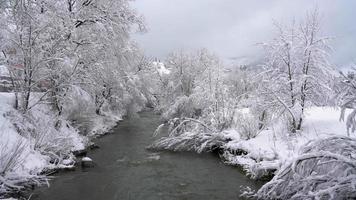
pixel 273 147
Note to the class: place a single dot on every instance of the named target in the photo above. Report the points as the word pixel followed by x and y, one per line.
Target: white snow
pixel 67 162
pixel 160 67
pixel 86 159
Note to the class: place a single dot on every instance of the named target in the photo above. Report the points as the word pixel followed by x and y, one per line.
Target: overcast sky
pixel 231 28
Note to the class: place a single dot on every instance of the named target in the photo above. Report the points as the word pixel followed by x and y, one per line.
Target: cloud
pixel 231 28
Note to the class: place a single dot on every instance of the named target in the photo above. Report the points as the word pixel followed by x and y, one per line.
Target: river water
pixel 125 170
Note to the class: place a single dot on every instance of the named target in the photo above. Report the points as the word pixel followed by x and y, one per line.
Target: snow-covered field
pixel 273 147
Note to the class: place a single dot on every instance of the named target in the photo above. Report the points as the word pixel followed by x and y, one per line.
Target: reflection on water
pixel 124 169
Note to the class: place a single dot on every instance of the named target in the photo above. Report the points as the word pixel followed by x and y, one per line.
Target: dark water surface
pixel 125 170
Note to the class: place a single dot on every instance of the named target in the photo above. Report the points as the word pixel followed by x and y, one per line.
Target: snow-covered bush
pixel 79 109
pixel 135 98
pixel 183 107
pixel 13 153
pixel 241 81
pixel 48 134
pixel 246 124
pixel 190 141
pixel 324 169
pixel 11 156
pixel 347 99
pixel 188 134
pixel 220 112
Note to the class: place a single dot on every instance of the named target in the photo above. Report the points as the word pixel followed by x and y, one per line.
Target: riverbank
pixel 38 142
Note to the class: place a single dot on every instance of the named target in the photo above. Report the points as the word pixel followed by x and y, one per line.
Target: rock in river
pixel 87 162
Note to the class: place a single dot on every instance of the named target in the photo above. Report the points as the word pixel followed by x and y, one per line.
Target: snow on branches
pixel 347 98
pixel 297 72
pixel 324 169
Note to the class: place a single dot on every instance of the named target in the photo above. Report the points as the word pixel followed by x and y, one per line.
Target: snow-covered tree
pixel 53 45
pixel 241 81
pixel 192 84
pixel 346 95
pixel 297 71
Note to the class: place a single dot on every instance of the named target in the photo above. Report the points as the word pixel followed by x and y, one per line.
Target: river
pixel 125 170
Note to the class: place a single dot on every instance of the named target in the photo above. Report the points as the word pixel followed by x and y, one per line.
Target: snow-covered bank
pixel 274 150
pixel 38 141
pixel 19 160
pixel 273 147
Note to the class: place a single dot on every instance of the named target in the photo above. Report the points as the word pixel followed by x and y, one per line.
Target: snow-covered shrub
pixel 12 176
pixel 57 140
pixel 246 124
pixel 79 109
pixel 134 100
pixel 190 141
pixel 220 112
pixel 11 156
pixel 47 133
pixel 182 107
pixel 188 134
pixel 347 99
pixel 324 169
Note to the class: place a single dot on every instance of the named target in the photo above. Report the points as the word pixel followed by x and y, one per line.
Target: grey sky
pixel 231 28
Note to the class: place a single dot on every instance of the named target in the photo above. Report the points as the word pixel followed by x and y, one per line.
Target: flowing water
pixel 125 170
